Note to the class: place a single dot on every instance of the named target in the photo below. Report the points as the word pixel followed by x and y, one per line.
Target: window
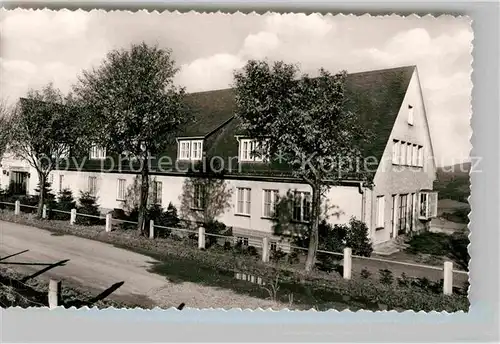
pixel 395 152
pixel 97 152
pixel 302 207
pixel 408 153
pixel 61 182
pixel 190 149
pixel 120 193
pixel 51 180
pixel 428 205
pixel 92 187
pixel 420 155
pixel 252 150
pixel 402 213
pixel 274 246
pixel 402 157
pixel 156 192
pixel 414 156
pixel 380 212
pixel 270 203
pixel 199 196
pixel 242 240
pixel 244 200
pixel 410 114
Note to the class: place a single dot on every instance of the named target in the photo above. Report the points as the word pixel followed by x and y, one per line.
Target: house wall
pixel 343 202
pixel 394 179
pixel 8 164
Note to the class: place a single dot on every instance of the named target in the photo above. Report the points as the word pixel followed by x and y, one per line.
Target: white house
pixel 400 199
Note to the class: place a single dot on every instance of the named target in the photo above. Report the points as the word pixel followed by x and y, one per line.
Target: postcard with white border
pixel 188 160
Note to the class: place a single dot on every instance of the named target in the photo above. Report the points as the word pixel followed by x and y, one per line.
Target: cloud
pixel 44 26
pixel 214 72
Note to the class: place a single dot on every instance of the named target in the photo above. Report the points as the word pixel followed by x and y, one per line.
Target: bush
pixel 293 257
pixel 332 239
pixel 88 206
pixel 65 203
pixel 214 227
pixel 277 255
pixel 365 273
pixel 386 277
pixel 357 238
pixel 336 238
pixel 440 244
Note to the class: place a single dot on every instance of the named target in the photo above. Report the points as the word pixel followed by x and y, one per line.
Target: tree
pixel 5 116
pixel 44 128
pixel 205 196
pixel 303 121
pixel 138 108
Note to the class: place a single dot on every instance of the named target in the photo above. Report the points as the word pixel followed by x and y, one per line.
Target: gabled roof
pixel 375 96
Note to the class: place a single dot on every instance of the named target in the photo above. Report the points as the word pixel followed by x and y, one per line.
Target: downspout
pixel 363 200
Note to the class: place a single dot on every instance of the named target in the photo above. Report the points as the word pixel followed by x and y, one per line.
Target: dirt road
pixel 97 266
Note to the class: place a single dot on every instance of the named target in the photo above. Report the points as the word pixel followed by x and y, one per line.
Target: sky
pixel 38 47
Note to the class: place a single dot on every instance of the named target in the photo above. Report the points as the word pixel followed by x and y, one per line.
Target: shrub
pixel 293 257
pixel 166 219
pixel 30 203
pixel 88 206
pixel 440 244
pixel 332 239
pixel 252 251
pixel 277 255
pixel 365 273
pixel 386 276
pixel 214 227
pixel 65 202
pixel 357 238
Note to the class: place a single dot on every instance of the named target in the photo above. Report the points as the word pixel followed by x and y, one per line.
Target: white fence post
pixel 265 249
pixel 151 229
pixel 72 218
pixel 448 278
pixel 54 293
pixel 347 262
pixel 44 211
pixel 17 208
pixel 108 222
pixel 201 237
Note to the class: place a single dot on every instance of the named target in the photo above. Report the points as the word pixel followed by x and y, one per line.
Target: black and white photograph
pixel 220 161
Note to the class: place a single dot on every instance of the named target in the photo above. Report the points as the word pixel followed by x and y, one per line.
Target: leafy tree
pixel 132 97
pixel 5 116
pixel 303 121
pixel 43 129
pixel 205 196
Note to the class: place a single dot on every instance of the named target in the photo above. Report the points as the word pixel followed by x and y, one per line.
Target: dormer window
pixel 410 115
pixel 190 149
pixel 97 152
pixel 252 150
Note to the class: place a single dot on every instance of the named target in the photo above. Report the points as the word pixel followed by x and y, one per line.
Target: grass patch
pixel 181 261
pixel 452 246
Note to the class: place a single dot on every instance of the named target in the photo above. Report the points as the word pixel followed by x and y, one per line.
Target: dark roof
pixel 210 109
pixel 375 96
